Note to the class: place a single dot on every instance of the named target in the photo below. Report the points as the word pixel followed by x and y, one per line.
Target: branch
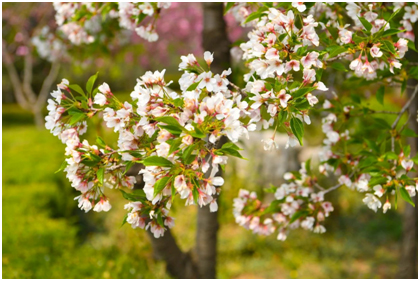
pixel 27 79
pixel 14 78
pixel 325 191
pixel 406 106
pixel 46 85
pixel 239 90
pixel 113 168
pixel 337 57
pixel 413 95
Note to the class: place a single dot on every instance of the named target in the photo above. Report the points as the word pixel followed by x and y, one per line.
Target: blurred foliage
pixel 45 235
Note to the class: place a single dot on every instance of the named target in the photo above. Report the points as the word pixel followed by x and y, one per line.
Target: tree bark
pixel 409 246
pixel 408 267
pixel 215 40
pixel 178 263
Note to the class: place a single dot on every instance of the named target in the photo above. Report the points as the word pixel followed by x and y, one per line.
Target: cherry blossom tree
pixel 184 138
pixel 19 44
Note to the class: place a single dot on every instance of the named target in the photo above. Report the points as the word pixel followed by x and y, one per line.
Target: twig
pixel 406 106
pixel 115 167
pixel 46 85
pixel 337 57
pixel 239 90
pixel 406 122
pixel 337 185
pixel 318 186
pixel 383 112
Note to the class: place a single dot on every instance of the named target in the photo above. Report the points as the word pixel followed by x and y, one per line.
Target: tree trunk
pixel 200 262
pixel 178 263
pixel 409 245
pixel 39 118
pixel 215 40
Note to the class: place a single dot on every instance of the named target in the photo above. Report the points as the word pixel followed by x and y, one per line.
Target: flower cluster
pixel 364 172
pixel 81 22
pixel 296 204
pixel 376 54
pixel 283 72
pixel 175 136
pixel 85 164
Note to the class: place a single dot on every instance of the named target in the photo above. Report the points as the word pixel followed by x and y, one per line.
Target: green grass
pixel 46 236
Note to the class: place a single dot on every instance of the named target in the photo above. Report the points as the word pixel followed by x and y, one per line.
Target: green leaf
pixel 195 194
pixel 100 141
pixel 367 162
pixel 407 150
pixel 231 145
pixel 128 166
pixel 339 66
pixel 333 31
pixel 356 98
pixel 408 133
pixel 231 151
pixel 382 123
pixel 372 145
pixel 62 167
pixel 282 116
pixel 160 185
pixel 173 191
pixel 76 118
pixel 91 82
pixel 159 220
pixel 228 6
pixel 380 95
pixel 414 72
pixel 297 215
pixel 193 86
pixel 169 120
pixel 124 220
pixel 141 17
pixel 171 129
pixel 187 152
pixel 175 145
pixel 319 73
pixel 100 174
pixel 157 161
pixel 366 24
pixel 178 102
pixel 302 92
pixel 197 133
pixel 378 180
pixel 253 16
pixel 273 207
pixel 335 50
pixel 403 86
pixel 393 15
pixel 391 155
pixel 78 89
pixel 412 46
pixel 308 166
pixel 297 128
pixel 281 37
pixel 391 31
pixel 390 47
pixel 406 196
pixel 134 196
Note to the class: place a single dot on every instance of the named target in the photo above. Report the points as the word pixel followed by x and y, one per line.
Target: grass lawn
pixel 46 236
